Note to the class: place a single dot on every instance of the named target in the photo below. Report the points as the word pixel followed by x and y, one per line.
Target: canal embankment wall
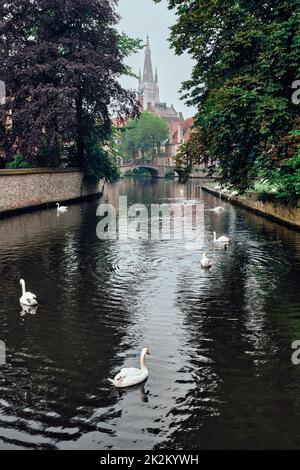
pixel 26 189
pixel 272 209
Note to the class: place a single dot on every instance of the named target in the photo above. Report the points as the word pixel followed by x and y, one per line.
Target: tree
pixel 61 61
pixel 128 141
pixel 286 176
pixel 144 135
pixel 246 58
pixel 189 155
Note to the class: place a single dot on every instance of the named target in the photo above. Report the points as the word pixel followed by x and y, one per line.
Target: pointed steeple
pixel 148 85
pixel 148 71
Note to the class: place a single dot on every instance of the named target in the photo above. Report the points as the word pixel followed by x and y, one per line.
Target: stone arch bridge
pixel 159 171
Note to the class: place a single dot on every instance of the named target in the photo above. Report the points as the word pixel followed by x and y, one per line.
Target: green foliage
pixel 262 186
pixel 101 161
pixel 246 57
pixel 170 175
pixel 128 142
pixel 144 135
pixel 18 162
pixel 128 46
pixel 140 172
pixel 287 177
pixel 61 62
pixel 189 155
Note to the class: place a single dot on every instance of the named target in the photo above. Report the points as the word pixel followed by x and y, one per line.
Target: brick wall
pixel 21 189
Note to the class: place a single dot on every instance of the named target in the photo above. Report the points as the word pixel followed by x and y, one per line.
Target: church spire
pixel 148 84
pixel 148 71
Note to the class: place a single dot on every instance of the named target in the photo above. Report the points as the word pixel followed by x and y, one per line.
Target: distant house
pixel 187 129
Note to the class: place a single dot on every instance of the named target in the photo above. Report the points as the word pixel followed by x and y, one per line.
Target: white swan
pixel 206 262
pixel 218 209
pixel 27 297
pixel 223 240
pixel 132 376
pixel 61 208
pixel 233 194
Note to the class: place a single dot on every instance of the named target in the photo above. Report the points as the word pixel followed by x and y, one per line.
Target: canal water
pixel 220 369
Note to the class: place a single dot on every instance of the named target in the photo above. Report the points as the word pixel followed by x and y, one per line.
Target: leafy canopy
pixel 246 57
pixel 61 61
pixel 144 135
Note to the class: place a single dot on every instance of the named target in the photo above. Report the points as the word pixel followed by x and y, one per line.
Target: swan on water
pixel 132 376
pixel 233 194
pixel 206 262
pixel 61 208
pixel 218 209
pixel 27 297
pixel 223 240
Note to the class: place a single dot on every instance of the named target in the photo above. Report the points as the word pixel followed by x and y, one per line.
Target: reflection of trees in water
pixel 236 357
pixel 237 323
pixel 57 357
pixel 274 267
pixel 150 191
pixel 87 291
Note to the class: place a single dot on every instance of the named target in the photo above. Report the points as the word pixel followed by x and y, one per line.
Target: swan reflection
pixel 28 310
pixel 122 391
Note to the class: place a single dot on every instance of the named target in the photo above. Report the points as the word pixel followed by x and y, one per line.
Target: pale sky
pixel 142 17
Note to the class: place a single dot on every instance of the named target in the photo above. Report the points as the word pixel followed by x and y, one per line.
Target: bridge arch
pixel 153 171
pixel 159 171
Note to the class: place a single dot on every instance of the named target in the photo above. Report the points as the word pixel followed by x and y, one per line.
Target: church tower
pixel 148 84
